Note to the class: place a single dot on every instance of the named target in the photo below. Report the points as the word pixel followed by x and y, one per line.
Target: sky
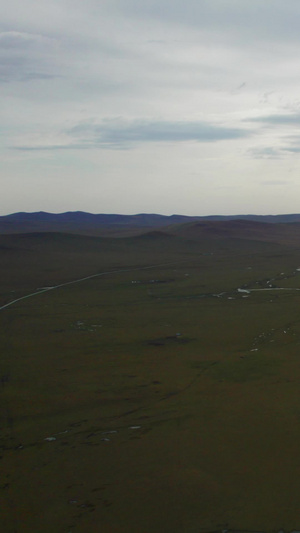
pixel 150 106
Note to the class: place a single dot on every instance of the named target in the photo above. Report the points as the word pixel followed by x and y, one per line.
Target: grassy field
pixel 155 398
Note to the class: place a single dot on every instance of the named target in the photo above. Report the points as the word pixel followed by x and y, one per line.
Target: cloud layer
pixel 119 134
pixel 197 98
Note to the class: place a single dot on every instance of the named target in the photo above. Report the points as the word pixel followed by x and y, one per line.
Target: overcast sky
pixel 157 106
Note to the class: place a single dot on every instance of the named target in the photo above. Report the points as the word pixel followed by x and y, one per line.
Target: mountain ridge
pixel 90 223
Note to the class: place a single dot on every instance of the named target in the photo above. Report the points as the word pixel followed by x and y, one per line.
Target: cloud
pixel 124 134
pixel 27 56
pixel 278 119
pixel 267 152
pixel 119 132
pixel 50 147
pixel 272 183
pixel 16 40
pixel 293 149
pixel 230 20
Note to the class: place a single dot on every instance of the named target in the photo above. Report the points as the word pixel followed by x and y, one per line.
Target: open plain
pixel 158 392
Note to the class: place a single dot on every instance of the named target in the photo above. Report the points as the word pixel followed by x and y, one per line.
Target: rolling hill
pixel 114 224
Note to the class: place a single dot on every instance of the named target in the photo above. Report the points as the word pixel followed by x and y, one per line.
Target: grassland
pixel 155 397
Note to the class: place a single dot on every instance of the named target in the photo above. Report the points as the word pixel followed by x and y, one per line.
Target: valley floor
pixel 162 399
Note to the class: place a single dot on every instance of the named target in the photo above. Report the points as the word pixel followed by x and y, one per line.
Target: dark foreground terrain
pixel 161 395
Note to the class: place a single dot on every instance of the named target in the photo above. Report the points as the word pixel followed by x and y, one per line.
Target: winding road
pixel 46 289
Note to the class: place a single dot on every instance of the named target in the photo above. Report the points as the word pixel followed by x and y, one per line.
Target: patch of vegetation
pixel 249 368
pixel 169 340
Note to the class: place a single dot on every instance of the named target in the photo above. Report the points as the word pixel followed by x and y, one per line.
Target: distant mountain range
pixel 87 223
